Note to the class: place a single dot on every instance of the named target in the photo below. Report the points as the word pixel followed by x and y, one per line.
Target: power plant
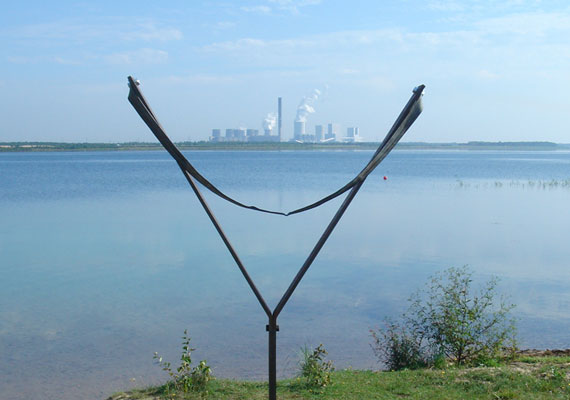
pixel 300 134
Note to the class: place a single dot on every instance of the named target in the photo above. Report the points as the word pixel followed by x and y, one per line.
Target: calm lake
pixel 106 257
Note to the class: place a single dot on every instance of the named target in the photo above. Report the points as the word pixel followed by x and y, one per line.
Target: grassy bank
pixel 525 377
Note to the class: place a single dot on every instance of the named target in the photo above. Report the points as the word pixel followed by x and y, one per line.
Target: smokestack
pixel 279 117
pixel 299 129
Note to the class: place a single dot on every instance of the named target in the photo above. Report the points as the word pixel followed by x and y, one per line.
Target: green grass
pixel 524 378
pixel 544 359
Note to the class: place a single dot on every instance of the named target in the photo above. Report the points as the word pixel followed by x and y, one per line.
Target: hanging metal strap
pixel 406 118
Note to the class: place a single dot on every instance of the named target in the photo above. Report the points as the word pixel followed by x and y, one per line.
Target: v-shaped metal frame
pixel 406 118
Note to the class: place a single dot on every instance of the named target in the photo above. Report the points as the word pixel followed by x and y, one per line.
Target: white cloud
pixel 19 59
pixel 246 44
pixel 108 29
pixel 293 6
pixel 487 75
pixel 329 40
pixel 515 46
pixel 295 3
pixel 538 24
pixel 480 6
pixel 274 6
pixel 42 59
pixel 348 71
pixel 261 9
pixel 150 32
pixel 461 39
pixel 379 82
pixel 142 56
pixel 446 5
pixel 202 79
pixel 223 25
pixel 65 61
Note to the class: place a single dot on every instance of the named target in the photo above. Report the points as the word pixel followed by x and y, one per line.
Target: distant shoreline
pixel 283 146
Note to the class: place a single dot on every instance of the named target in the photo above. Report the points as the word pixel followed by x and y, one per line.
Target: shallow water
pixel 108 257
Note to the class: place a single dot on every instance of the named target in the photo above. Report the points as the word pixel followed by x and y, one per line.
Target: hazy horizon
pixel 335 143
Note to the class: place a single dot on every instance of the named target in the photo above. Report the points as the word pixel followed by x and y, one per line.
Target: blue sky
pixel 494 70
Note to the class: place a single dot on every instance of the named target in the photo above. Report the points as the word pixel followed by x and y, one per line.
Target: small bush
pixel 314 369
pixel 185 378
pixel 201 375
pixel 449 321
pixel 398 348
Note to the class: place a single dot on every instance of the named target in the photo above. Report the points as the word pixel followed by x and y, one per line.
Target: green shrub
pixel 314 369
pixel 398 348
pixel 448 319
pixel 201 375
pixel 186 378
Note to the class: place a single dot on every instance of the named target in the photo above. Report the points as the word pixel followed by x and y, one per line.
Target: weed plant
pixel 185 378
pixel 315 371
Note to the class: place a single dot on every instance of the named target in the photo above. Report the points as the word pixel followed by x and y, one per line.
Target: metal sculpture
pixel 406 118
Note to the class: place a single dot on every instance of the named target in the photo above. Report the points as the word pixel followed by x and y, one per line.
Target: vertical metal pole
pixel 272 329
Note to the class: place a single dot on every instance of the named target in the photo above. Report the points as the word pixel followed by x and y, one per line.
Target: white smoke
pixel 306 106
pixel 270 121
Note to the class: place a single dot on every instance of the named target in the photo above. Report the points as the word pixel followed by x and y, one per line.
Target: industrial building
pixel 319 133
pixel 332 131
pixel 252 135
pixel 300 133
pixel 352 135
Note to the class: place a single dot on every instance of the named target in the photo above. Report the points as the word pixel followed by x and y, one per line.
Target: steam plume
pixel 270 121
pixel 306 106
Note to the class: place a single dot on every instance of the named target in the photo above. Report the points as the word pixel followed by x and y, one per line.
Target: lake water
pixel 107 257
